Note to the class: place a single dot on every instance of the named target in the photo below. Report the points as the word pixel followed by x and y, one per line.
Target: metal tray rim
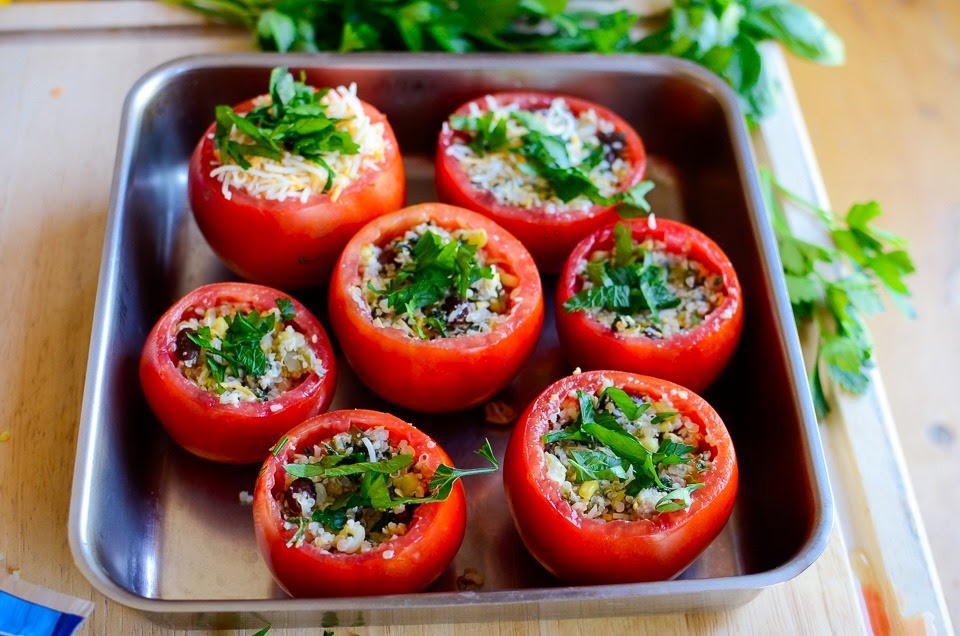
pixel 154 80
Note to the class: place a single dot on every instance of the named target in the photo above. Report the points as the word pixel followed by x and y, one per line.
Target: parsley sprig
pixel 631 285
pixel 374 491
pixel 722 35
pixel 295 121
pixel 597 426
pixel 838 287
pixel 239 351
pixel 546 156
pixel 438 269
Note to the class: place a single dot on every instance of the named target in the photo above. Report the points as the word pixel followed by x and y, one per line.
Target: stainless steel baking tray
pixel 159 530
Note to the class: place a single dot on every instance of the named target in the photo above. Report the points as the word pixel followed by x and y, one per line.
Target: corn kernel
pixel 407 485
pixel 588 489
pixel 508 279
pixel 475 237
pixel 219 327
pixel 651 444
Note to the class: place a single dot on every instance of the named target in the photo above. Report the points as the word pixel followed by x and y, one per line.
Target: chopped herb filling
pixel 617 456
pixel 641 289
pixel 434 283
pixel 358 490
pixel 243 355
pixel 549 158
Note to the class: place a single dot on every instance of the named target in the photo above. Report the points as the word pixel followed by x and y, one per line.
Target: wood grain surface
pixel 883 127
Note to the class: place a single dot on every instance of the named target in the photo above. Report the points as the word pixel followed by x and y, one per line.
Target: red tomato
pixel 583 550
pixel 549 237
pixel 444 374
pixel 287 243
pixel 694 358
pixel 195 418
pixel 419 556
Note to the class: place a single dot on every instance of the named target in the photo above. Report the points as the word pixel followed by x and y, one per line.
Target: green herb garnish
pixel 294 121
pixel 384 466
pixel 287 312
pixel 722 35
pixel 837 287
pixel 598 426
pixel 240 352
pixel 626 286
pixel 546 155
pixel 438 269
pixel 276 449
pixel 374 491
pixel 678 499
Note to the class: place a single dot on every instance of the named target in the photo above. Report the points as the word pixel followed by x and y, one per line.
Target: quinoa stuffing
pixel 641 289
pixel 434 283
pixel 244 356
pixel 358 490
pixel 297 141
pixel 548 158
pixel 615 456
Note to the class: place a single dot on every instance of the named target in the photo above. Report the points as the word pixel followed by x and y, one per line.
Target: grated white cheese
pixel 295 177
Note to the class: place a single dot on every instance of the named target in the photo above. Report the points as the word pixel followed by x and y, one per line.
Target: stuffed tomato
pixel 650 296
pixel 613 477
pixel 279 183
pixel 357 503
pixel 436 307
pixel 549 168
pixel 230 367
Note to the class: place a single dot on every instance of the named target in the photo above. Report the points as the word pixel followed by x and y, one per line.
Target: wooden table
pixel 63 92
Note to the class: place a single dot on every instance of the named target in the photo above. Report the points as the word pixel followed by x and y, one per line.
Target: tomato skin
pixel 289 244
pixel 445 374
pixel 241 434
pixel 694 358
pixel 420 555
pixel 549 237
pixel 582 550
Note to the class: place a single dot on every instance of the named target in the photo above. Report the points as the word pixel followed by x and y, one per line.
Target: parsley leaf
pixel 838 287
pixel 546 155
pixel 438 269
pixel 441 485
pixel 678 499
pixel 625 286
pixel 721 36
pixel 287 312
pixel 295 121
pixel 239 350
pixel 384 466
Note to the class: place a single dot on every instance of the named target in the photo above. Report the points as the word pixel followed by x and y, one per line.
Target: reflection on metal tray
pixel 162 531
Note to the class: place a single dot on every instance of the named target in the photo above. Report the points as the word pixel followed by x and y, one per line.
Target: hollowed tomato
pixel 549 236
pixel 289 244
pixel 443 374
pixel 195 418
pixel 578 549
pixel 404 564
pixel 693 358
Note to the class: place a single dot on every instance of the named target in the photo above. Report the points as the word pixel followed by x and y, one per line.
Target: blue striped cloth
pixel 20 617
